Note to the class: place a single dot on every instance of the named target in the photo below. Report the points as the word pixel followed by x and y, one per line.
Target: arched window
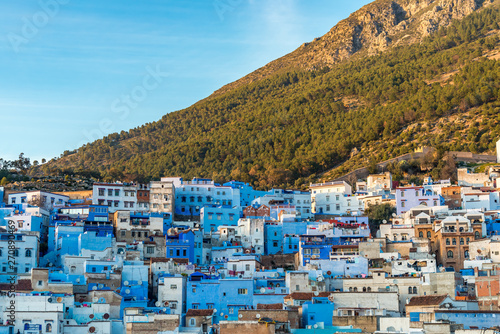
pixel 447 241
pixel 428 234
pixel 192 322
pixel 466 254
pixel 454 241
pixel 364 289
pixel 467 240
pixel 16 252
pixel 414 290
pixel 350 289
pixel 410 290
pixel 450 254
pixel 420 234
pixel 48 328
pixel 369 289
pixel 355 289
pixel 28 253
pixel 461 229
pixel 395 237
pixel 476 235
pixel 461 241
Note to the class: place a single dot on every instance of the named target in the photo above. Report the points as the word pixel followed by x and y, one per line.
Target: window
pixel 183 252
pixel 466 254
pixel 192 321
pixel 410 290
pixel 242 291
pixel 327 207
pixel 420 234
pixel 467 240
pixel 173 286
pixel 230 310
pixel 150 250
pixel 337 207
pixel 454 241
pixel 247 267
pixel 122 233
pixel 48 328
pixel 117 192
pixel 402 204
pixel 461 241
pixel 447 241
pixel 476 235
pixel 428 234
pixel 450 254
pixel 28 253
pixel 16 252
pixel 110 192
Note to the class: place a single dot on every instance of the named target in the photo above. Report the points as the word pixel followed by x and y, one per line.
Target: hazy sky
pixel 73 71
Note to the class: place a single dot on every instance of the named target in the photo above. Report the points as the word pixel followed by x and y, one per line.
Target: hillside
pixel 296 117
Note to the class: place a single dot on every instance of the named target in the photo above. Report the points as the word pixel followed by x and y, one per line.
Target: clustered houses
pixel 195 256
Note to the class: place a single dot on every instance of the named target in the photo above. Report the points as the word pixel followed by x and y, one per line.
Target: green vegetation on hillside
pixel 286 129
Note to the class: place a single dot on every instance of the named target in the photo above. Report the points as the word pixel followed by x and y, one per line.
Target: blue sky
pixel 68 66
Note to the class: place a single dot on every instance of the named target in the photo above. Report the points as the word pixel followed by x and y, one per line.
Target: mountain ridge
pixel 285 127
pixel 369 30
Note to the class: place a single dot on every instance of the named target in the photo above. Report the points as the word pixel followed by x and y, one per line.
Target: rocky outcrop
pixel 374 28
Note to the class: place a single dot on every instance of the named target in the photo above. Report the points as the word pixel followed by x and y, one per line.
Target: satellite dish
pixel 221 314
pixel 127 291
pixel 257 315
pixel 139 282
pixel 395 281
pixel 157 304
pixel 94 287
pixel 315 326
pixel 331 297
pixel 125 283
pixel 240 316
pixel 95 299
pixel 215 310
pixel 78 280
pixel 320 278
pixel 262 290
pixel 164 309
pixel 101 286
pixel 384 221
pixel 316 293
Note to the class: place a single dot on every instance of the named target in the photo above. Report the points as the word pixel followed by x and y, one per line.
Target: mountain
pixel 393 76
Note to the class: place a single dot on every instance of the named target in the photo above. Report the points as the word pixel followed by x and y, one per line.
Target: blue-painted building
pixel 211 217
pixel 273 238
pixel 187 244
pixel 191 196
pixel 247 193
pixel 492 226
pixel 470 319
pixel 66 239
pixel 94 242
pixel 319 309
pixel 203 292
pixel 2 203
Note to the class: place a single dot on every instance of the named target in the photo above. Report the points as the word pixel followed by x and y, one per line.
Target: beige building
pixel 162 196
pixel 376 182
